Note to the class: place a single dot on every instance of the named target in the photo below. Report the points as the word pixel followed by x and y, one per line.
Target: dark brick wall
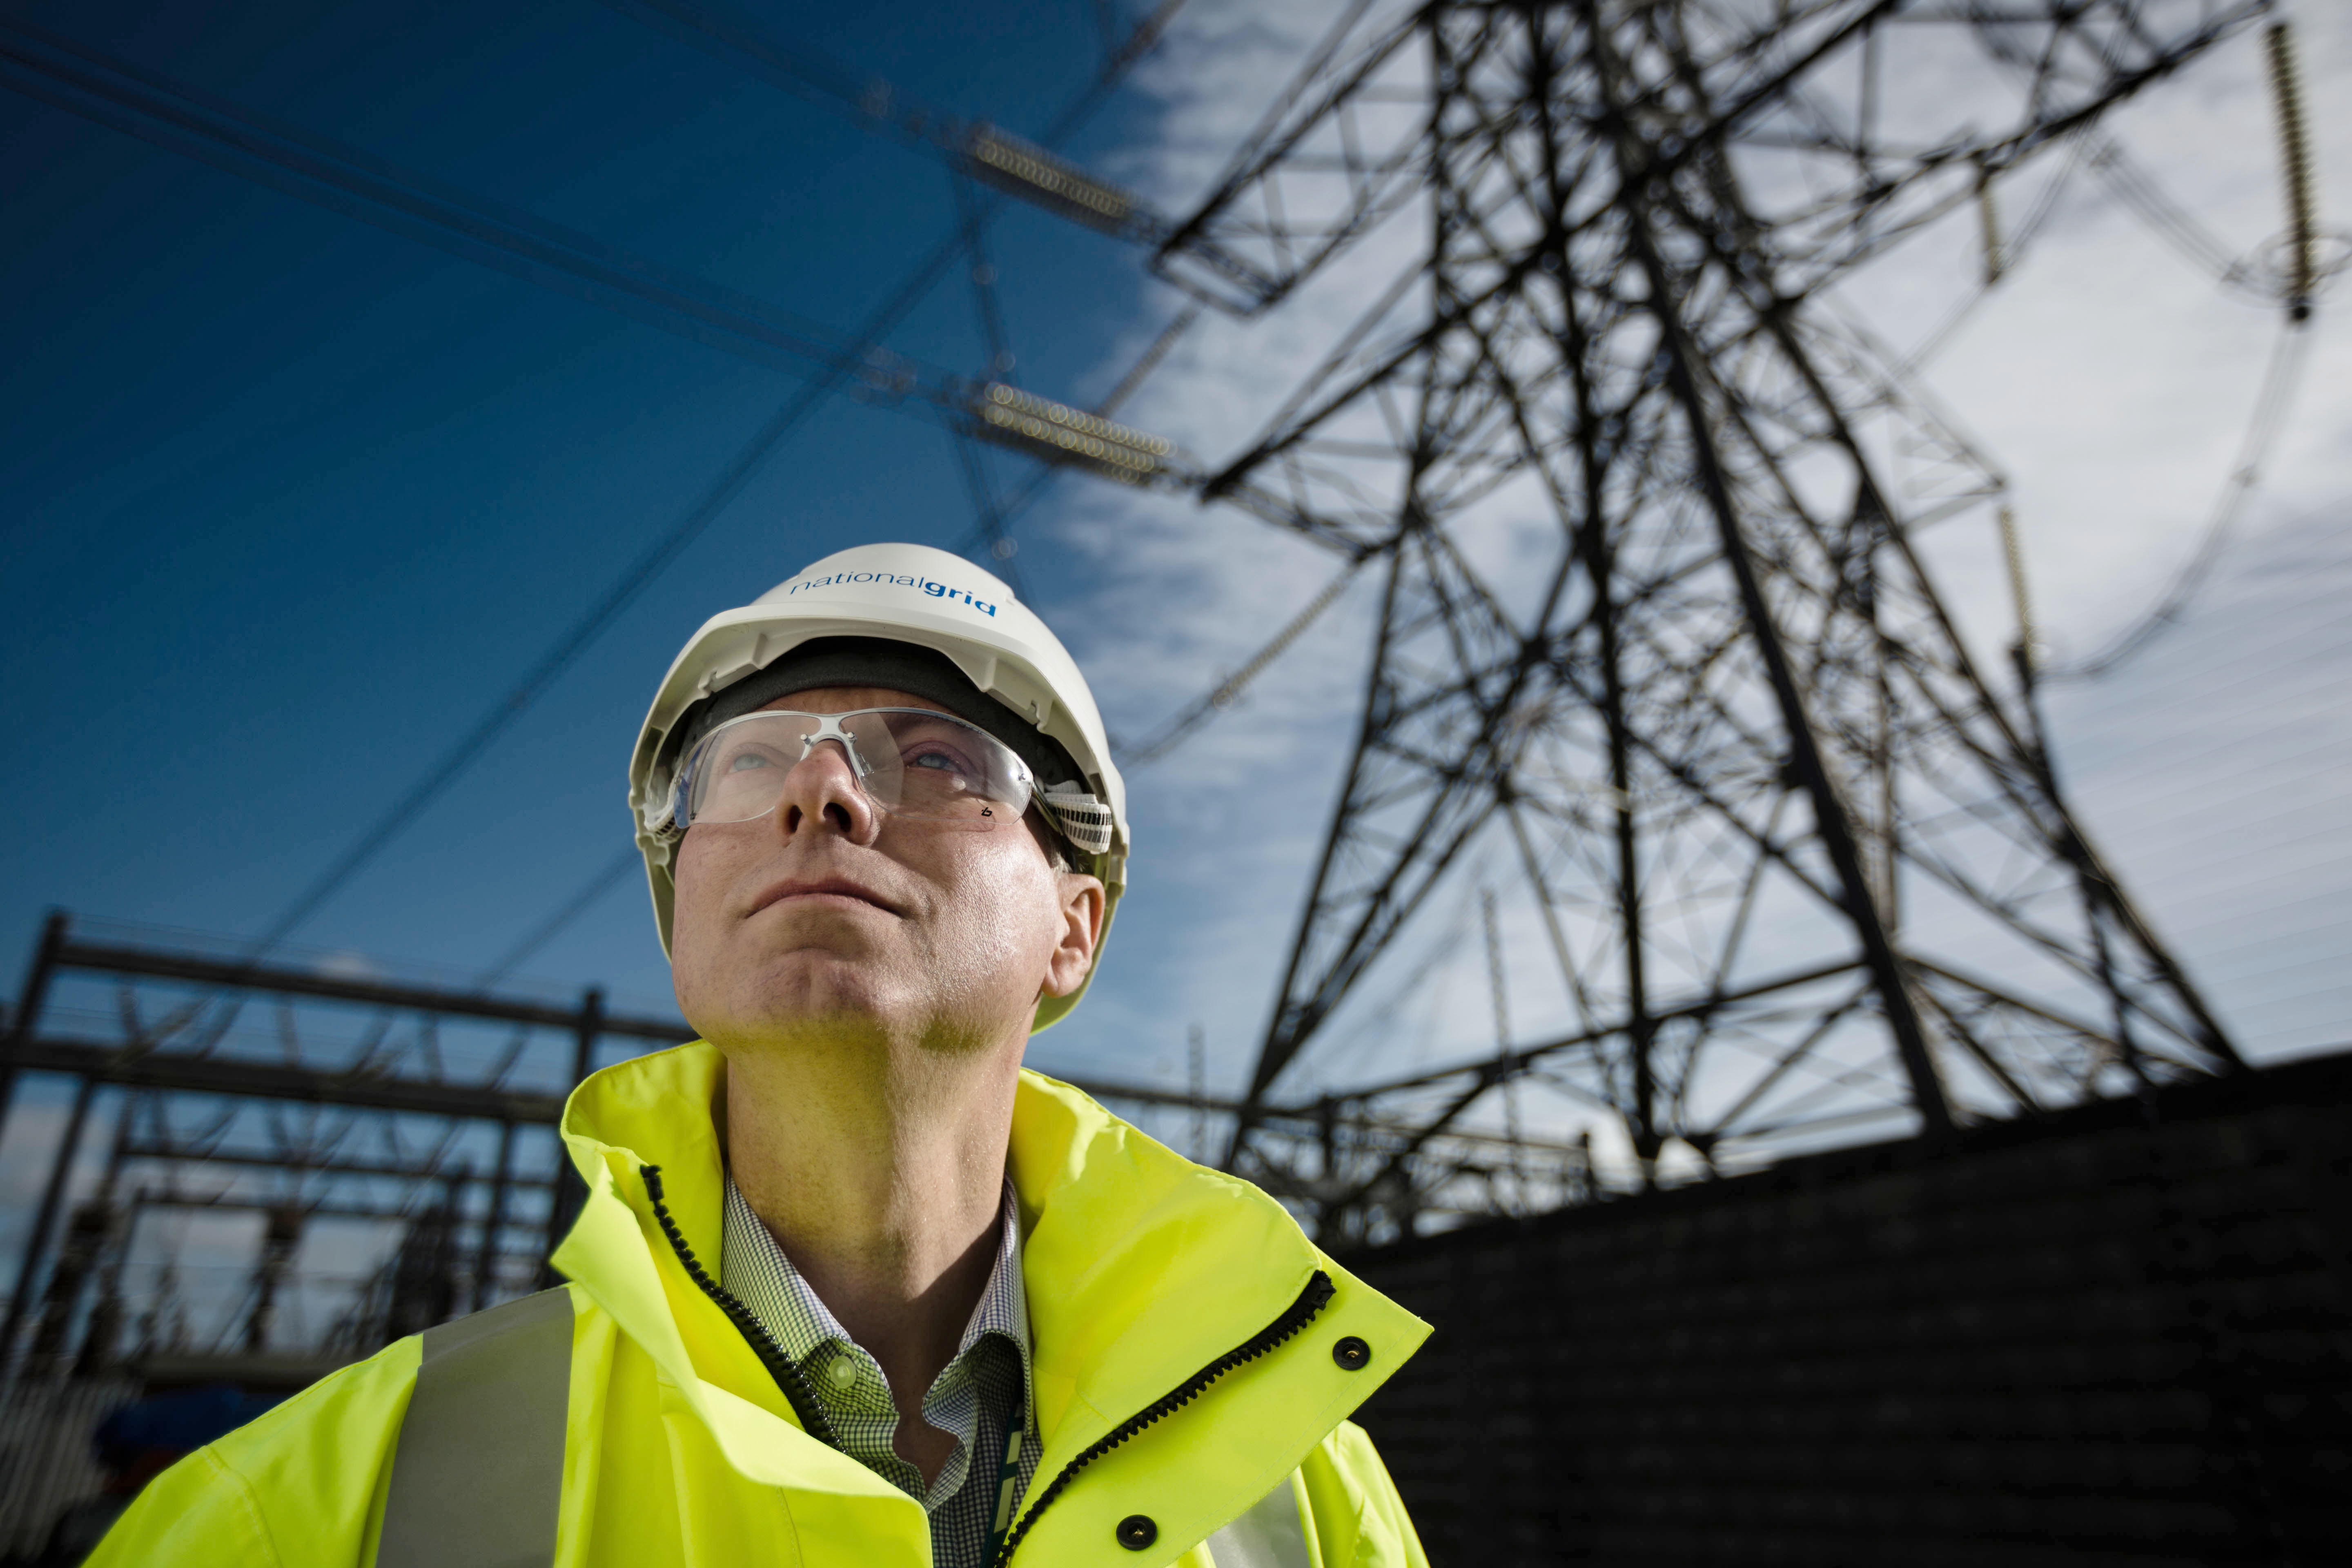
pixel 2119 1336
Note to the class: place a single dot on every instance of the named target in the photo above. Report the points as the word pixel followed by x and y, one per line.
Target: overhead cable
pixel 980 482
pixel 2002 258
pixel 2279 381
pixel 972 217
pixel 974 151
pixel 2165 218
pixel 575 639
pixel 607 877
pixel 2294 290
pixel 1226 692
pixel 1041 479
pixel 342 179
pixel 973 148
pixel 1149 360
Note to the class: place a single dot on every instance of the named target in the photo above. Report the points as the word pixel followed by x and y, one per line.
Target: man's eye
pixel 940 760
pixel 743 760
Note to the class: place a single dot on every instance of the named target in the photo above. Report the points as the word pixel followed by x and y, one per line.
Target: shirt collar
pixel 756 1271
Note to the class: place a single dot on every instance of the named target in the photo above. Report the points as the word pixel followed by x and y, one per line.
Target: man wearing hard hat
pixel 851 1287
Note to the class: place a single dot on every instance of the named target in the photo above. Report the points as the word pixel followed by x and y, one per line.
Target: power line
pixel 2253 662
pixel 2107 740
pixel 622 594
pixel 2168 219
pixel 2245 671
pixel 2269 416
pixel 558 657
pixel 2008 257
pixel 873 103
pixel 1228 691
pixel 1150 360
pixel 978 478
pixel 2233 906
pixel 608 877
pixel 973 148
pixel 342 179
pixel 1033 489
pixel 974 210
pixel 2281 962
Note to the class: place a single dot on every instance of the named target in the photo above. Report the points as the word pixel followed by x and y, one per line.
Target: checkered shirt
pixel 972 1399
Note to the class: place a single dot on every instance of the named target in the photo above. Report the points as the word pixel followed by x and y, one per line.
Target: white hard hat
pixel 905 594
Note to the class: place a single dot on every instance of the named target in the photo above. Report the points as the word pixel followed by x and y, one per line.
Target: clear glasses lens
pixel 909 760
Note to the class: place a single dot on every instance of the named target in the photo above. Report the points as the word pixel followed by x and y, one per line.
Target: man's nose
pixel 823 788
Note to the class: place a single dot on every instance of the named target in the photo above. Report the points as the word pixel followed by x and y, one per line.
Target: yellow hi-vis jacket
pixel 1194 1357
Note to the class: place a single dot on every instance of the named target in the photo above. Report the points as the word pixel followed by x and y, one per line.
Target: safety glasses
pixel 910 762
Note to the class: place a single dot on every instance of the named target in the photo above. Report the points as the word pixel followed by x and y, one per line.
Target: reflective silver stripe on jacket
pixel 478 1478
pixel 1271 1534
pixel 478 1475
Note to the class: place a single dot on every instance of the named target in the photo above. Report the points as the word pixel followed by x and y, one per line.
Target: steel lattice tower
pixel 1800 859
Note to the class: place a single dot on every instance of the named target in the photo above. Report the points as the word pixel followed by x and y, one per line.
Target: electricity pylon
pixel 1799 860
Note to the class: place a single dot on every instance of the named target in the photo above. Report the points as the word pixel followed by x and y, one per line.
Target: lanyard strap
pixel 1006 1474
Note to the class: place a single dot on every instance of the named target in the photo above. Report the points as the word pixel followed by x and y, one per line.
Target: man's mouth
pixel 798 887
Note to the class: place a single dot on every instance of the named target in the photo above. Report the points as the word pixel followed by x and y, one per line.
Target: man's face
pixel 831 917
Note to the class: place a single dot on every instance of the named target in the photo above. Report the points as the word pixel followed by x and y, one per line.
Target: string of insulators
pixel 1028 419
pixel 1495 978
pixel 2295 156
pixel 1009 160
pixel 1990 219
pixel 2012 550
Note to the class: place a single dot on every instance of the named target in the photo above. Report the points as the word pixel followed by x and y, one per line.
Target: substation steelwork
pixel 299 1095
pixel 1799 860
pixel 209 1082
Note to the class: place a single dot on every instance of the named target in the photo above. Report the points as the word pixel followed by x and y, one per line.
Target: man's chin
pixel 810 993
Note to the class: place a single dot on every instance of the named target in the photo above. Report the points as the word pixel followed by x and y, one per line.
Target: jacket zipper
pixel 779 1364
pixel 789 1377
pixel 1297 1316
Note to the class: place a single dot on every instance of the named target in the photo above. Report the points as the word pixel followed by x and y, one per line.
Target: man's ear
pixel 1082 906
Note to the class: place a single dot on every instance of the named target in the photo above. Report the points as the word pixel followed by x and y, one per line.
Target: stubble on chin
pixel 801 996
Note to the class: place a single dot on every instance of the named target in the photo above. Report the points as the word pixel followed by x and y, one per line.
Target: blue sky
pixel 292 502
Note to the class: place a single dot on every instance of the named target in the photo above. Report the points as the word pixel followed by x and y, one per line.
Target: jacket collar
pixel 1141 1269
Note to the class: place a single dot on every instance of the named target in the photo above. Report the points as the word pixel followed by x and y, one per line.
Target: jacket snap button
pixel 1352 1354
pixel 1137 1531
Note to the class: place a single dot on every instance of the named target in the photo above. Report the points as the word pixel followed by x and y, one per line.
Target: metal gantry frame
pixel 296 1092
pixel 301 1094
pixel 1800 867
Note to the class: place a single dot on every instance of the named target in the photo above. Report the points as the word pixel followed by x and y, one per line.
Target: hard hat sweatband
pixel 880 664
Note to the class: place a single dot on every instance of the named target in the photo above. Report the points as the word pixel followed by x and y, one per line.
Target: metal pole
pixel 1197 1064
pixel 569 1191
pixel 281 1235
pixel 1680 361
pixel 90 1228
pixel 486 1255
pixel 592 1024
pixel 29 999
pixel 1594 545
pixel 1287 1029
pixel 44 1219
